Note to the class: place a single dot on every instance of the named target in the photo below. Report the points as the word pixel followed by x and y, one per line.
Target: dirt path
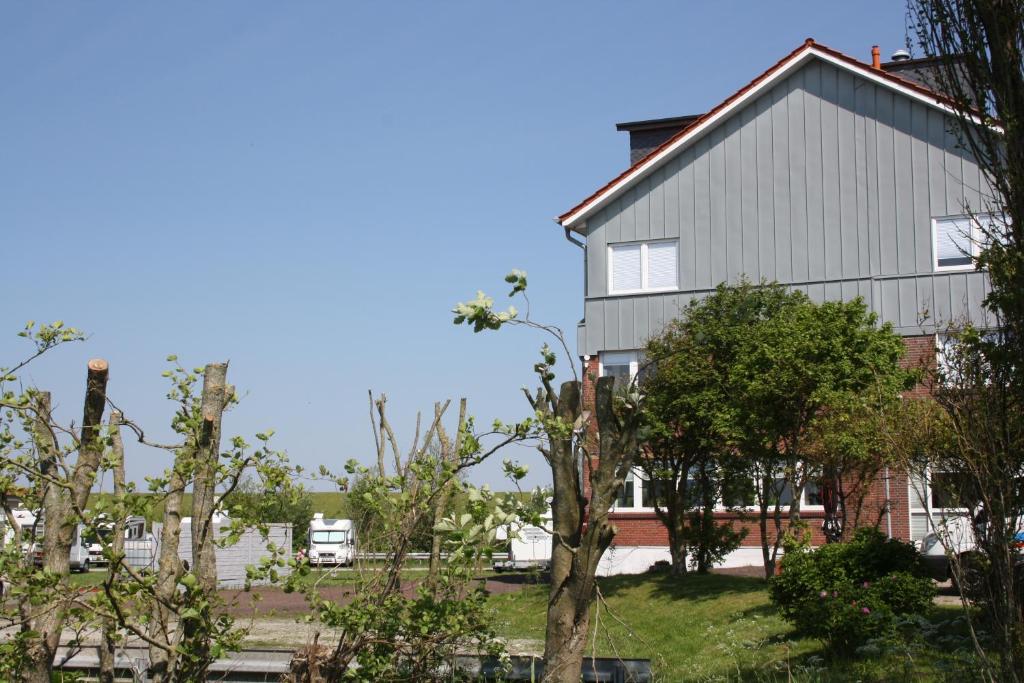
pixel 271 601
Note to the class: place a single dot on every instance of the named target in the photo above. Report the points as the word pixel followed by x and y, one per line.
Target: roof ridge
pixel 808 44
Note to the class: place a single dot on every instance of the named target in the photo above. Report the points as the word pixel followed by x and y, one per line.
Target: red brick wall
pixel 644 529
pixel 920 354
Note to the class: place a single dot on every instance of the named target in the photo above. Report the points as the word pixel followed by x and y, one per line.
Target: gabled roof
pixel 574 217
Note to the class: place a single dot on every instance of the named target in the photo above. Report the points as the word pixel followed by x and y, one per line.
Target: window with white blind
pixel 643 266
pixel 959 239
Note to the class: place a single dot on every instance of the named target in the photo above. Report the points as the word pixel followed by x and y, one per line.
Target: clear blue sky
pixel 305 189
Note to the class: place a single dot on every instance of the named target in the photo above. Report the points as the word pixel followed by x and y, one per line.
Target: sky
pixel 306 189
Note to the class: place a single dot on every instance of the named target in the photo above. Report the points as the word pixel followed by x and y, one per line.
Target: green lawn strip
pixel 701 628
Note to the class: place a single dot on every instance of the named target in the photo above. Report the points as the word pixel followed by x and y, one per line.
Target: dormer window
pixel 635 267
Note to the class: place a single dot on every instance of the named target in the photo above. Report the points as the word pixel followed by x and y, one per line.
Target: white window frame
pixel 975 238
pixel 640 476
pixel 643 267
pixel 918 506
pixel 631 358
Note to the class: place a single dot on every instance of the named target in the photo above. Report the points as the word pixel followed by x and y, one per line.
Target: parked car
pixel 956 537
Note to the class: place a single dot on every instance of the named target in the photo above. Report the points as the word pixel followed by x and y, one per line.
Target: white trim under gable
pixel 781 71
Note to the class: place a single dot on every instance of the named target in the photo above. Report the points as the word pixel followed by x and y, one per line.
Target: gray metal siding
pixel 828 183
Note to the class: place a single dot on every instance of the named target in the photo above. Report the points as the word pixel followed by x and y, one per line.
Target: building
pixel 833 176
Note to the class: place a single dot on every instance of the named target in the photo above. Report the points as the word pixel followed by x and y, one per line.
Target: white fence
pixel 232 560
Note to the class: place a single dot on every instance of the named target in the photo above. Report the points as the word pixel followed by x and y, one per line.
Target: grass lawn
pixel 700 628
pixel 696 628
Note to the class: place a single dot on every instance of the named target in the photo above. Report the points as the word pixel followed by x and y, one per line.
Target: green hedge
pixel 846 594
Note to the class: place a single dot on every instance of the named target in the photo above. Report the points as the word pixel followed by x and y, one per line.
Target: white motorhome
pixel 24 520
pixel 529 546
pixel 87 546
pixel 331 541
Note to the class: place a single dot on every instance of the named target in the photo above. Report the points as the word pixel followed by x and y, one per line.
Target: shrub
pixel 848 593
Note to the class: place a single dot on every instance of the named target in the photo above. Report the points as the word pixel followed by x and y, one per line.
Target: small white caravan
pixel 529 546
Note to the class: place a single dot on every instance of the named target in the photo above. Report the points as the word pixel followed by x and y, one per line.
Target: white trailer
pixel 529 546
pixel 331 541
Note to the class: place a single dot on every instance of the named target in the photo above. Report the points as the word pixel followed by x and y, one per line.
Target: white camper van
pixel 529 546
pixel 21 532
pixel 87 547
pixel 331 541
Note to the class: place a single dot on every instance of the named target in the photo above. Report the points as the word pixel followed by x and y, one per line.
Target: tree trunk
pixel 577 547
pixel 766 555
pixel 677 551
pixel 169 568
pixel 204 498
pixel 62 508
pixel 214 400
pixel 567 628
pixel 449 456
pixel 108 640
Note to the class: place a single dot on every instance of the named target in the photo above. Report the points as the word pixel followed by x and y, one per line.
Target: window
pixel 946 491
pixel 938 492
pixel 622 365
pixel 959 239
pixel 738 491
pixel 651 491
pixel 643 267
pixel 328 536
pixel 812 494
pixel 626 493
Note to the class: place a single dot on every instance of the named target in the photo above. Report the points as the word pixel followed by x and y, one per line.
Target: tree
pixel 59 464
pixel 293 505
pixel 388 634
pixel 791 367
pixel 688 420
pixel 756 380
pixel 847 446
pixel 589 455
pixel 984 420
pixel 978 49
pixel 65 500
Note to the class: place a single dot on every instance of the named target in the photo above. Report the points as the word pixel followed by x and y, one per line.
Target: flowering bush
pixel 849 593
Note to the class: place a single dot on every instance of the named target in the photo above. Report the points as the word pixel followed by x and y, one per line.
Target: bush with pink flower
pixel 849 593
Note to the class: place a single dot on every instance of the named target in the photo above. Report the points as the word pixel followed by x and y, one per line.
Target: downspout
pixel 581 245
pixel 568 236
pixel 888 505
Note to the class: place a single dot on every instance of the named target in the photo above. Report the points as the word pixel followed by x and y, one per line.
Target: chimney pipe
pixel 876 57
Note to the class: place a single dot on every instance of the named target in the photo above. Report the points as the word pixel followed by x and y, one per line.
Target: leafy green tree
pixel 753 381
pixel 293 505
pixel 789 369
pixel 688 422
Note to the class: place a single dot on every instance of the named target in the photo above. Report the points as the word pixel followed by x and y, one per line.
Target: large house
pixel 833 176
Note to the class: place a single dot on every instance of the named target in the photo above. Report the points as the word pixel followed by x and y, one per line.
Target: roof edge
pixel 796 58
